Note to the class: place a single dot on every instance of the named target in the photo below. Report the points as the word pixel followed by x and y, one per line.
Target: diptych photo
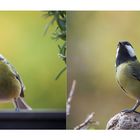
pixel 70 70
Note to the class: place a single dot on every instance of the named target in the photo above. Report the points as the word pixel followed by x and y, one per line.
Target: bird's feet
pixel 129 111
pixel 17 110
pixel 133 109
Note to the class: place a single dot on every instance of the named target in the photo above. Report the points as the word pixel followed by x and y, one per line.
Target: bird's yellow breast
pixel 125 79
pixel 9 86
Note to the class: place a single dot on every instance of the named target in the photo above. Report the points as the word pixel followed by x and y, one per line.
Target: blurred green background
pixel 35 57
pixel 92 41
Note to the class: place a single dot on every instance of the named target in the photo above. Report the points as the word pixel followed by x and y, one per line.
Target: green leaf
pixel 59 74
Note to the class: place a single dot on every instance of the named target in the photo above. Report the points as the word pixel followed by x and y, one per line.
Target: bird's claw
pixel 128 110
pixel 17 110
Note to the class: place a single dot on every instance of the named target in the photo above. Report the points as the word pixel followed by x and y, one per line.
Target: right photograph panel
pixel 103 69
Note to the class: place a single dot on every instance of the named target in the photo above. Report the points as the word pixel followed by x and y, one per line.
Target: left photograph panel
pixel 33 82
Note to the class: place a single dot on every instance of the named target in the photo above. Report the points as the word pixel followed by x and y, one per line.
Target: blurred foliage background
pixel 35 57
pixel 92 41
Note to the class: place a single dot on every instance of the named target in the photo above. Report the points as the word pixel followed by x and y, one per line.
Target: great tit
pixel 11 85
pixel 128 72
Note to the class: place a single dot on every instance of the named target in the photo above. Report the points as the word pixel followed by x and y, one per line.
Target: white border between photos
pixel 69 135
pixel 70 5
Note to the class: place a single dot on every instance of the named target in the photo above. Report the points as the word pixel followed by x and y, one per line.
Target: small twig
pixel 86 124
pixel 70 97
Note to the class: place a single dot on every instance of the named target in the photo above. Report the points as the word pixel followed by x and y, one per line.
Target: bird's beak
pixel 120 43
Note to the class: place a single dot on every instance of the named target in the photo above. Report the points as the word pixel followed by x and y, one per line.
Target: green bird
pixel 11 86
pixel 128 72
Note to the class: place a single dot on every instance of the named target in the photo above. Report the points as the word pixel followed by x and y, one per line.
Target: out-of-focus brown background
pixel 92 40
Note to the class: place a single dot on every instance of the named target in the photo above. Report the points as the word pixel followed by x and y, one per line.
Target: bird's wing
pixel 18 78
pixel 13 70
pixel 135 70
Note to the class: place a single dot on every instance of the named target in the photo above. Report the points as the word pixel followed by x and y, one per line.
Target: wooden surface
pixel 33 120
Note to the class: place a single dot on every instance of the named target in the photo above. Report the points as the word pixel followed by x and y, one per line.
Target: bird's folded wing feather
pixel 134 69
pixel 13 70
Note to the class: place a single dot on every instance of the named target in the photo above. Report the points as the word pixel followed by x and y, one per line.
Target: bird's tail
pixel 21 104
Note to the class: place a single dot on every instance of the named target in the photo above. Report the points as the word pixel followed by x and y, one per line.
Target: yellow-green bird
pixel 128 72
pixel 11 85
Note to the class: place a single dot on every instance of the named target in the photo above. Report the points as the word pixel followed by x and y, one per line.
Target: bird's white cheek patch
pixel 1 56
pixel 130 50
pixel 117 52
